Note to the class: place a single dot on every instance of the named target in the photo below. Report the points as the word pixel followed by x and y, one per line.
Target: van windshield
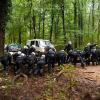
pixel 45 43
pixel 32 43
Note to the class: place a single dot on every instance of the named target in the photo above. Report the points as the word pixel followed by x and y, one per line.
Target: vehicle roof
pixel 14 44
pixel 37 40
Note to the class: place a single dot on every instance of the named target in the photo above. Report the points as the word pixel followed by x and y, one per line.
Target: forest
pixel 69 69
pixel 56 20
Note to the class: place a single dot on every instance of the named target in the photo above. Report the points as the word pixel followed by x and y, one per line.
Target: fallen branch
pixel 89 72
pixel 89 79
pixel 20 75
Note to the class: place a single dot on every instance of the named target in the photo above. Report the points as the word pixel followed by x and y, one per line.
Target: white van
pixel 39 44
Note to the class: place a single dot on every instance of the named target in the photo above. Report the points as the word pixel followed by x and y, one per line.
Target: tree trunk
pixel 2 39
pixel 98 35
pixel 34 25
pixel 43 24
pixel 56 28
pixel 39 25
pixel 30 29
pixel 4 5
pixel 63 19
pixel 75 24
pixel 13 37
pixel 80 22
pixel 30 12
pixel 52 19
pixel 20 38
pixel 89 17
pixel 92 20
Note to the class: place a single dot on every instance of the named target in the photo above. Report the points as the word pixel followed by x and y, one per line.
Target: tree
pixel 4 8
pixel 56 20
pixel 52 19
pixel 63 19
pixel 75 23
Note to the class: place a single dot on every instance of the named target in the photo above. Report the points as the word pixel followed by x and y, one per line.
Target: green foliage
pixel 33 19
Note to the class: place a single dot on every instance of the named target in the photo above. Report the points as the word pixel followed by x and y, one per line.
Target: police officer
pixel 61 57
pixel 25 50
pixel 40 65
pixel 32 49
pixel 13 66
pixel 88 47
pixel 20 61
pixel 68 47
pixel 31 60
pixel 5 61
pixel 77 56
pixel 87 51
pixel 7 48
pixel 50 59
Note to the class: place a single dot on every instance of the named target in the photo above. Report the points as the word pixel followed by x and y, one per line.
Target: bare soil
pixel 93 72
pixel 62 84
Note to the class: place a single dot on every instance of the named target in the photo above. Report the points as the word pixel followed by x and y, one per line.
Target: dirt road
pixel 92 72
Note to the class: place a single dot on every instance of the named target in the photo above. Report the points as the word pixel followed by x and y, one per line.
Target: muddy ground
pixel 65 83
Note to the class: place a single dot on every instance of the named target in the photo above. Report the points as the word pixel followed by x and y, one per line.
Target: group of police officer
pixel 29 61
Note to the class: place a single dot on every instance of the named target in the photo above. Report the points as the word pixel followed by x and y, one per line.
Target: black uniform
pixel 68 47
pixel 32 49
pixel 76 56
pixel 61 57
pixel 31 60
pixel 25 51
pixel 50 59
pixel 5 61
pixel 20 62
pixel 97 53
pixel 87 51
pixel 40 65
